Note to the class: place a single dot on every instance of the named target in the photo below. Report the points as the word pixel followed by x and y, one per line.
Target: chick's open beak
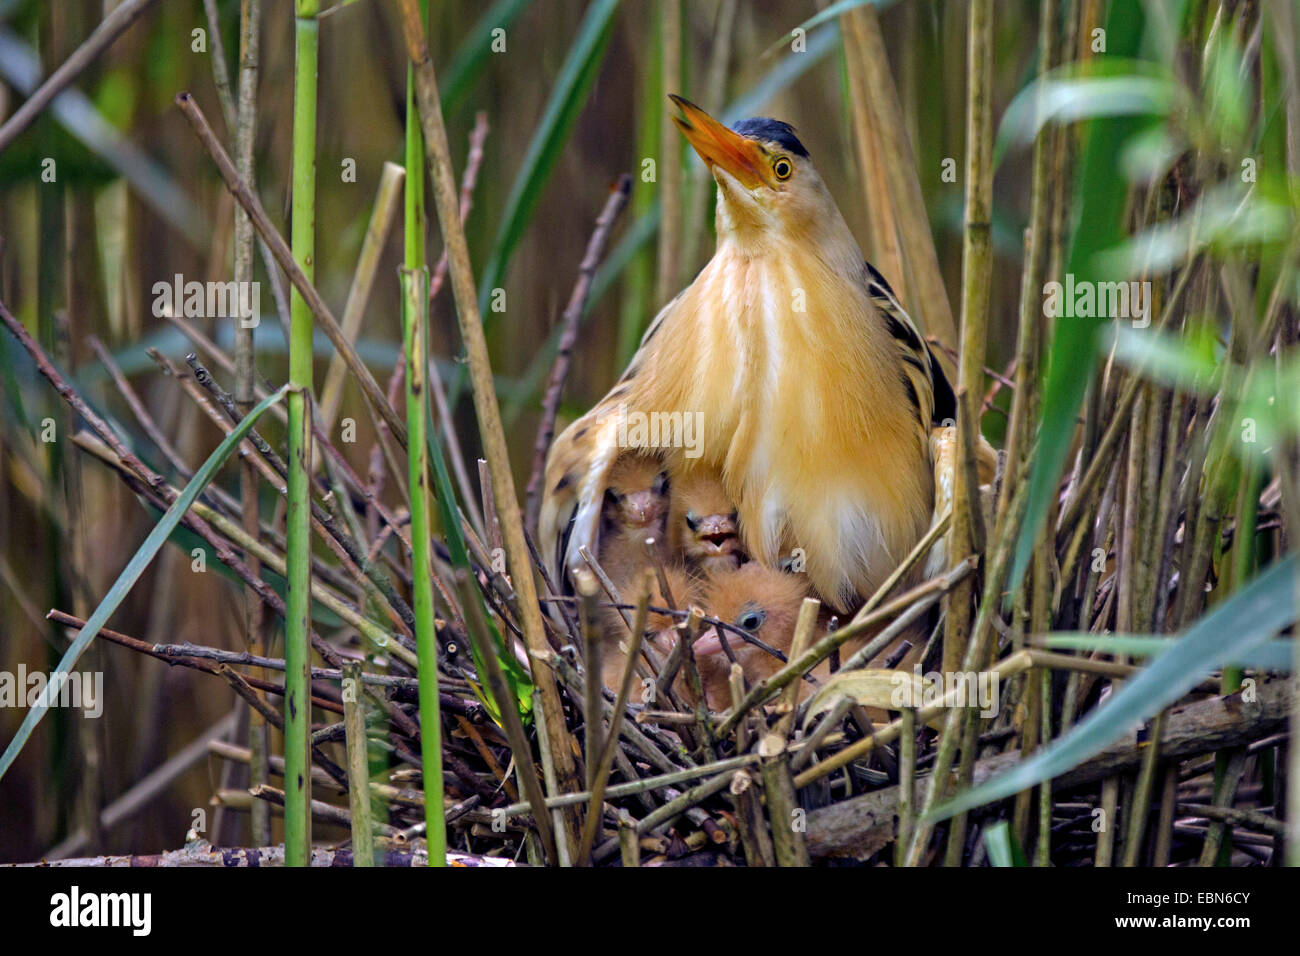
pixel 719 146
pixel 717 531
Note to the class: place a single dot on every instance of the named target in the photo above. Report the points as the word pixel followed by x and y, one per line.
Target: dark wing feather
pixel 924 375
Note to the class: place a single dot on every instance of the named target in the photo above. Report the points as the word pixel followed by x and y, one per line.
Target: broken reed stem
pixel 591 659
pixel 109 29
pixel 354 721
pixel 152 487
pixel 1099 464
pixel 1029 335
pixel 473 162
pixel 906 785
pixel 788 841
pixel 259 741
pixel 998 567
pixel 283 256
pixel 977 273
pixel 353 557
pixel 485 400
pixel 805 625
pixel 220 71
pixel 1224 795
pixel 600 777
pixel 614 205
pixel 629 847
pixel 1141 802
pixel 382 214
pixel 1017 663
pixel 477 628
pixel 415 300
pixel 644 785
pixel 138 409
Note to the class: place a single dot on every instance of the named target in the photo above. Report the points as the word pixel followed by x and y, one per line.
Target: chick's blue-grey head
pixel 766 182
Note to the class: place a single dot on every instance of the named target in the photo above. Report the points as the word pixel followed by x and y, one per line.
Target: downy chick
pixel 635 508
pixel 685 589
pixel 760 601
pixel 702 524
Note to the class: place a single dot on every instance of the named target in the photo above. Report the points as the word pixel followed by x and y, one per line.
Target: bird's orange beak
pixel 719 146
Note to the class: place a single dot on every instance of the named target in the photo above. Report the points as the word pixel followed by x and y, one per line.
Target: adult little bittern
pixel 814 390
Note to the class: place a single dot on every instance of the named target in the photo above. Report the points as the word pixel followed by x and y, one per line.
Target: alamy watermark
pixel 76 689
pixel 133 911
pixel 958 689
pixel 1084 299
pixel 683 430
pixel 209 300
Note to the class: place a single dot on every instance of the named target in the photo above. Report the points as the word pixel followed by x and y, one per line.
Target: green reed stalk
pixel 415 312
pixel 245 397
pixel 415 315
pixel 297 650
pixel 490 430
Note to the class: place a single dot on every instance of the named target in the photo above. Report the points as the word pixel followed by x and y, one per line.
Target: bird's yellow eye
pixel 783 168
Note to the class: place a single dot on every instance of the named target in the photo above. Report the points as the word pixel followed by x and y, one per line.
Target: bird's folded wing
pixel 930 388
pixel 577 471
